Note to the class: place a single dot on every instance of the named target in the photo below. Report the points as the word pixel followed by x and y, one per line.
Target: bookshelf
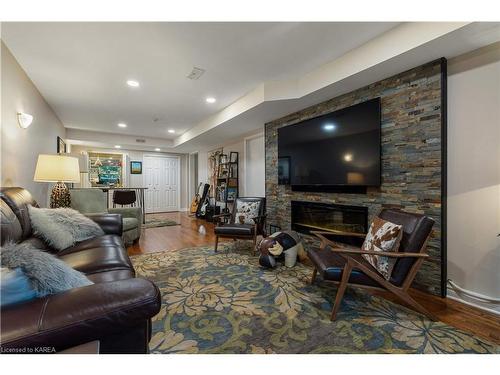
pixel 227 188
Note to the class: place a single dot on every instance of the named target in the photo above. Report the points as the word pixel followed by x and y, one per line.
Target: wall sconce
pixel 24 120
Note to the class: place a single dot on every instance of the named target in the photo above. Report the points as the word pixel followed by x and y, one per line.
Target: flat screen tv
pixel 341 148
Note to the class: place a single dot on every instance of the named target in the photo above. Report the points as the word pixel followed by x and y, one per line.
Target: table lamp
pixel 58 169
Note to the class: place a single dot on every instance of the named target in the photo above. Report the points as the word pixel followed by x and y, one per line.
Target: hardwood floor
pixel 174 237
pixel 185 235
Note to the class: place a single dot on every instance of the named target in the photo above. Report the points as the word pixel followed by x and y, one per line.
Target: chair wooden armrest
pixel 222 215
pixel 381 253
pixel 321 234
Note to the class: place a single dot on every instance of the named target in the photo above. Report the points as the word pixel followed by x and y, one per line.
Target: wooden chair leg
pixel 340 292
pixel 216 242
pixel 313 278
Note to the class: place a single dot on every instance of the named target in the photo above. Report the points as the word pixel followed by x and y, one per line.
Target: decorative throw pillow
pixel 246 212
pixel 382 236
pixel 15 287
pixel 62 227
pixel 47 274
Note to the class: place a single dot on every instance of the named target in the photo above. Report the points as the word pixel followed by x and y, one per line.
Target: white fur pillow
pixel 62 227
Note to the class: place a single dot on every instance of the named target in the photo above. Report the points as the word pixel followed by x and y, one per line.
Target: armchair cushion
pixel 235 230
pixel 383 236
pixel 130 223
pixel 246 212
pixel 331 265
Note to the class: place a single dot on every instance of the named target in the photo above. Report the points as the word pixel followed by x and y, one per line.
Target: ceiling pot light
pixel 171 131
pixel 210 100
pixel 348 157
pixel 329 127
pixel 157 149
pixel 122 125
pixel 24 120
pixel 118 146
pixel 133 83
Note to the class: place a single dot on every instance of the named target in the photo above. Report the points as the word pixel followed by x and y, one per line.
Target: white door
pixel 161 177
pixel 255 179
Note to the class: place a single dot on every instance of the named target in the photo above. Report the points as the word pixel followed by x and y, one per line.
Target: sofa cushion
pixel 97 259
pixel 101 241
pixel 130 223
pixel 10 227
pixel 47 273
pixel 18 199
pixel 108 276
pixel 62 227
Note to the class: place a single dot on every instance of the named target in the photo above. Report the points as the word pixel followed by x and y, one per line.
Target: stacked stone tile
pixel 411 157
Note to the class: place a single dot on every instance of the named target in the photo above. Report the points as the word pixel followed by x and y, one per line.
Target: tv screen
pixel 341 148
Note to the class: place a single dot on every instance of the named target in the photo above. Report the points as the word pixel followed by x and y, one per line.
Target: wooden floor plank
pixel 185 235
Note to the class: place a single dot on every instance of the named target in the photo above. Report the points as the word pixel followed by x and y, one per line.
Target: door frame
pixel 144 156
pixel 245 152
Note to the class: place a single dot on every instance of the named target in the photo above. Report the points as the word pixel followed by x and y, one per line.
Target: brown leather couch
pixel 116 310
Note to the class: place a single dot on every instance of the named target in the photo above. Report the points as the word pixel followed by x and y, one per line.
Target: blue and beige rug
pixel 226 303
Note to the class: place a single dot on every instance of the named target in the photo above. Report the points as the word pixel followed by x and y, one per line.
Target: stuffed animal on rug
pixel 278 247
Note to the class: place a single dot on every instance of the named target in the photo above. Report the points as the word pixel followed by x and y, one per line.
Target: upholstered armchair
pixel 246 221
pixel 344 264
pixel 92 201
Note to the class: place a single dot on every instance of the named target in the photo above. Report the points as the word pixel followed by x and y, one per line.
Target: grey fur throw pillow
pixel 47 274
pixel 62 227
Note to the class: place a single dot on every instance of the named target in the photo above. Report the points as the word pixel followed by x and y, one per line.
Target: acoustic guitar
pixel 196 200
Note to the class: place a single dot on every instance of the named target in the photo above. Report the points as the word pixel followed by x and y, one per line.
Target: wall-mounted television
pixel 341 148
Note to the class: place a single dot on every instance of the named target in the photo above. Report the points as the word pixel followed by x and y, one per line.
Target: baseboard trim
pixel 183 209
pixel 486 306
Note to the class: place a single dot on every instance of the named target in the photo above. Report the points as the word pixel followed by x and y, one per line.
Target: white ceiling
pixel 81 68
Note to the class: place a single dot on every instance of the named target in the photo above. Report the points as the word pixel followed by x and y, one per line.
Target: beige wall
pixel 20 147
pixel 474 171
pixel 136 180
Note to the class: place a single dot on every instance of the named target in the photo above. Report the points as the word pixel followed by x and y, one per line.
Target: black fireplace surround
pixel 309 216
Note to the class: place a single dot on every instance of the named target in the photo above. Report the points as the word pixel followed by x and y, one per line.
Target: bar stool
pixel 124 198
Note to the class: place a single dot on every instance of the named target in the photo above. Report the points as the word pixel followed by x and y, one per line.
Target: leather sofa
pixel 116 310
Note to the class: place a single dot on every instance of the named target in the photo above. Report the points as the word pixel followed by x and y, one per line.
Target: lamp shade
pixel 55 168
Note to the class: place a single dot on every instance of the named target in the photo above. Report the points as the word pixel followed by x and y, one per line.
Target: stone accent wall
pixel 411 158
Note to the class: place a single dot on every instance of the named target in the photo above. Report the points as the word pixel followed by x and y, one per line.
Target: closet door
pixel 161 177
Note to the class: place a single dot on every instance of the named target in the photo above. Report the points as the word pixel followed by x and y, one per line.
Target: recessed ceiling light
pixel 132 83
pixel 329 127
pixel 210 100
pixel 157 149
pixel 171 131
pixel 348 157
pixel 122 125
pixel 118 146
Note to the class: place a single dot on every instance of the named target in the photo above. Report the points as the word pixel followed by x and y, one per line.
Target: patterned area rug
pixel 153 222
pixel 226 303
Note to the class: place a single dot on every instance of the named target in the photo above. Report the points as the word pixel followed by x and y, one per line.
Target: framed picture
pixel 61 146
pixel 136 167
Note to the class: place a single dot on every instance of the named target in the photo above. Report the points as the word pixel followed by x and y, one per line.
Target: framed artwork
pixel 136 167
pixel 61 146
